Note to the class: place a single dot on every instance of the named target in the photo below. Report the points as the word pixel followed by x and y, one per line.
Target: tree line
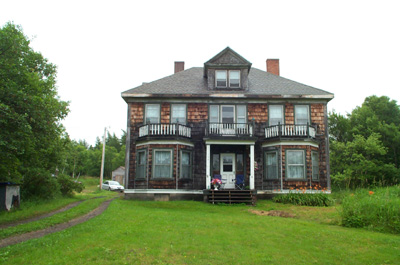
pixel 365 144
pixel 35 150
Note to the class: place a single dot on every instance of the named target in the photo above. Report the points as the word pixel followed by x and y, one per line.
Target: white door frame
pixel 228 177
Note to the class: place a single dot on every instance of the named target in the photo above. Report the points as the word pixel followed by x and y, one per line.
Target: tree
pixel 32 138
pixel 365 145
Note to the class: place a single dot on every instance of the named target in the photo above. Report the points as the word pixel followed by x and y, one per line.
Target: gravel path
pixel 36 234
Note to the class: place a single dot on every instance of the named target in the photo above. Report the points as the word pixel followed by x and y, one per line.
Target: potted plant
pixel 216 183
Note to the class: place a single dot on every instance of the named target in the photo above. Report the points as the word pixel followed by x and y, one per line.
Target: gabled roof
pixel 227 58
pixel 192 83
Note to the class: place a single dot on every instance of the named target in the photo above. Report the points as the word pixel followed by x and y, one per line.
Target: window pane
pixel 241 114
pixel 272 165
pixel 275 115
pixel 152 113
pixel 214 114
pixel 215 162
pixel 162 172
pixel 234 78
pixel 295 157
pixel 178 114
pixel 228 114
pixel 221 78
pixel 239 162
pixel 295 164
pixel 162 157
pixel 185 158
pixel 301 114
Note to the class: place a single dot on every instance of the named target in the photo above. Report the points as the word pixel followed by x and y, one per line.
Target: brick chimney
pixel 273 66
pixel 179 66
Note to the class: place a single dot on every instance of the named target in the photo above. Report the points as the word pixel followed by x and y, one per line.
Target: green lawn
pixel 185 232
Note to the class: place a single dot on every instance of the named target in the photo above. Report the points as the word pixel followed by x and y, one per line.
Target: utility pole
pixel 102 157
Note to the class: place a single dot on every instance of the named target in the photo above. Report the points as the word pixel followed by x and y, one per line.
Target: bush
pixel 39 184
pixel 304 199
pixel 377 210
pixel 69 185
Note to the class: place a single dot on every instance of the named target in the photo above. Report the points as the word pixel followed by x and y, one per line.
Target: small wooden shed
pixel 9 196
pixel 119 175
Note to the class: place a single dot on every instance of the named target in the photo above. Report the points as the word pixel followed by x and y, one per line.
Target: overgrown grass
pixel 185 232
pixel 377 209
pixel 304 199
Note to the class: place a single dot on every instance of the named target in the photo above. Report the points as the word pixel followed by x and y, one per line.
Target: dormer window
pixel 227 79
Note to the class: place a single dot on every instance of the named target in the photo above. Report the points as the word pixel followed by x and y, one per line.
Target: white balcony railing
pixel 290 130
pixel 165 129
pixel 230 129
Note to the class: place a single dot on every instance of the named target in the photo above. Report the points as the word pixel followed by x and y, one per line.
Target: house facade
pixel 226 120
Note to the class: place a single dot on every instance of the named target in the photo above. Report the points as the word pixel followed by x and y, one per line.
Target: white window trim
pixel 269 114
pixel 314 164
pixel 288 165
pixel 266 166
pixel 229 77
pixel 154 164
pixel 226 78
pixel 172 113
pixel 159 112
pixel 190 164
pixel 308 114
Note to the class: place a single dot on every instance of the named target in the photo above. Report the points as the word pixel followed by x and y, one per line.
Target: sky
pixel 101 48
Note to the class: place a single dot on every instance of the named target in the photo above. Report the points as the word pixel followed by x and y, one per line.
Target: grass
pixel 92 197
pixel 377 209
pixel 185 232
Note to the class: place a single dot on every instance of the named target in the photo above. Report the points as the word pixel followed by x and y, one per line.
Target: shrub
pixel 377 210
pixel 304 199
pixel 39 184
pixel 69 185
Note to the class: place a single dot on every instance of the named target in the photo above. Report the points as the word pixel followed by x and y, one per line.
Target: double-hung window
pixel 162 163
pixel 295 164
pixel 275 115
pixel 271 165
pixel 178 113
pixel 301 114
pixel 141 164
pixel 152 113
pixel 315 165
pixel 224 78
pixel 186 165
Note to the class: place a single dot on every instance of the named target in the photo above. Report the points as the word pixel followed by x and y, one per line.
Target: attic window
pixel 223 76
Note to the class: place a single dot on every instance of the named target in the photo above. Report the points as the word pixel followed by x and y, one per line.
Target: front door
pixel 228 170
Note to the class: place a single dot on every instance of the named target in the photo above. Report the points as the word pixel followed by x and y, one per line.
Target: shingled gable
pixel 226 59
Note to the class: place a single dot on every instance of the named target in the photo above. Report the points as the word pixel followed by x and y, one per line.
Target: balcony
pixel 165 129
pixel 290 130
pixel 230 129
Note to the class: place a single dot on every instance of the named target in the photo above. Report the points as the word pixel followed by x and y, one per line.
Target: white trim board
pixel 291 143
pixel 165 142
pixel 231 142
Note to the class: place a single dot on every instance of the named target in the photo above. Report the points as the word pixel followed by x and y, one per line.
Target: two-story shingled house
pixel 225 120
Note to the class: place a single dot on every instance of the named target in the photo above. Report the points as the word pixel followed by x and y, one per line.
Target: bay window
pixel 141 164
pixel 271 165
pixel 315 165
pixel 186 165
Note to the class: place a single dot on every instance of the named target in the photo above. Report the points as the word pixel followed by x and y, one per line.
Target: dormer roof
pixel 227 59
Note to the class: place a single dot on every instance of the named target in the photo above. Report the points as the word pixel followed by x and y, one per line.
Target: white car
pixel 112 185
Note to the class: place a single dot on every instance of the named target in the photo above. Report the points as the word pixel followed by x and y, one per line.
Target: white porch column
pixel 252 167
pixel 208 163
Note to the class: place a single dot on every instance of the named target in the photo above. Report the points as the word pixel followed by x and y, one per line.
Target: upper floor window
pixel 178 113
pixel 228 114
pixel 301 114
pixel 275 115
pixel 224 78
pixel 152 113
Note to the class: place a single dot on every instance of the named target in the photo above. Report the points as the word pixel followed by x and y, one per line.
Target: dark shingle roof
pixel 191 82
